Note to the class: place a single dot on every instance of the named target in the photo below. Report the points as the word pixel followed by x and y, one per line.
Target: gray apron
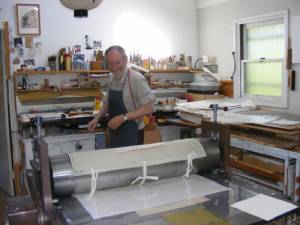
pixel 127 133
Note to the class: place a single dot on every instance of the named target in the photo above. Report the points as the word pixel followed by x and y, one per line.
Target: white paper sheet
pixel 200 109
pixel 285 122
pixel 133 157
pixel 133 198
pixel 230 103
pixel 264 206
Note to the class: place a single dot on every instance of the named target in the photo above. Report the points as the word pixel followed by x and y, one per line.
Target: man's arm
pixel 139 113
pixel 93 123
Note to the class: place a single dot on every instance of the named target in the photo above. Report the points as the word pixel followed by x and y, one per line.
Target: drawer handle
pixel 78 146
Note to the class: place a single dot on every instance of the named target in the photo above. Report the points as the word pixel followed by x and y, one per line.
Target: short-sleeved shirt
pixel 135 94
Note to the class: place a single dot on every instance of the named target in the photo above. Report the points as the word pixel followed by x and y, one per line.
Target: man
pixel 129 99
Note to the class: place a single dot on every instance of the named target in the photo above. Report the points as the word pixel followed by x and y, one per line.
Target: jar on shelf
pixel 52 62
pixel 68 62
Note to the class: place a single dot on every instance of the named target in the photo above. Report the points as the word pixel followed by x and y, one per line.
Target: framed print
pixel 28 19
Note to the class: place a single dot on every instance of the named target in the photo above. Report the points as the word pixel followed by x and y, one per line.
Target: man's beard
pixel 118 74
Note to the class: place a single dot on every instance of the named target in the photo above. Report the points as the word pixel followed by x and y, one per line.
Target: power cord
pixel 234 65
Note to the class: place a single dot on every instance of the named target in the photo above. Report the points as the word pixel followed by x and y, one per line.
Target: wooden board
pixel 265 140
pixel 278 127
pixel 33 72
pixel 43 94
pixel 267 129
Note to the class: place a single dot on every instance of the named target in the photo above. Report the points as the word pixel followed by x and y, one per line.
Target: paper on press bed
pixel 154 194
pixel 134 156
pixel 264 206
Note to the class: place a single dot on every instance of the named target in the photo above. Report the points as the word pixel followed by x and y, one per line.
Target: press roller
pixel 68 179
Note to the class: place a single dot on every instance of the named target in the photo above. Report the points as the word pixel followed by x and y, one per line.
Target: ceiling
pixel 206 3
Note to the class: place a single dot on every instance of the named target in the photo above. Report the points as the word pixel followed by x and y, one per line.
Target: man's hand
pixel 116 122
pixel 92 124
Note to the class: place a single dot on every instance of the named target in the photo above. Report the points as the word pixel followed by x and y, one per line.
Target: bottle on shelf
pixel 68 60
pixel 24 83
pixel 61 63
pixel 97 105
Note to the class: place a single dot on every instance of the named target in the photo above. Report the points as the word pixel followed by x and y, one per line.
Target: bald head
pixel 118 48
pixel 116 60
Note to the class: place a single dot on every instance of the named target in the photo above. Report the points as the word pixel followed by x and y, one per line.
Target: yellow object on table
pixel 198 216
pixel 97 104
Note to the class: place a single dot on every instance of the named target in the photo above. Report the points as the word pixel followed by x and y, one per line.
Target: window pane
pixel 263 78
pixel 265 41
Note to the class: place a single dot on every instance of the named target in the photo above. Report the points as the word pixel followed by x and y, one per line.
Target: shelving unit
pixel 44 94
pixel 262 150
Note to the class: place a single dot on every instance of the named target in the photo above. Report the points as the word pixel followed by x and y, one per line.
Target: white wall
pixel 215 27
pixel 163 27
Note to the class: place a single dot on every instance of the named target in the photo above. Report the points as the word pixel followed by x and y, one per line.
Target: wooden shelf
pixel 176 71
pixel 33 72
pixel 44 94
pixel 256 170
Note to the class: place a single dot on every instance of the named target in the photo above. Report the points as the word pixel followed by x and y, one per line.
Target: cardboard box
pixel 152 136
pixel 96 65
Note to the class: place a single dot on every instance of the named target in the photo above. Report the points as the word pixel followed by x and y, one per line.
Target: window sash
pixel 272 31
pixel 263 67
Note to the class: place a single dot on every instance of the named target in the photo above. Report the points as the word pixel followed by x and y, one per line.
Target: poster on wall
pixel 28 19
pixel 88 42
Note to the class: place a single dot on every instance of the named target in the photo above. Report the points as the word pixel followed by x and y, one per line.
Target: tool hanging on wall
pixel 292 80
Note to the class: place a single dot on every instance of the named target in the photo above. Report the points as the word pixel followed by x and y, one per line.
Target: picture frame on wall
pixel 28 19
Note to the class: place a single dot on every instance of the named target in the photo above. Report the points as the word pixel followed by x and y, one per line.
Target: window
pixel 261 43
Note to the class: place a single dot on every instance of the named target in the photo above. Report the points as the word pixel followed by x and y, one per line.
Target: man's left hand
pixel 116 122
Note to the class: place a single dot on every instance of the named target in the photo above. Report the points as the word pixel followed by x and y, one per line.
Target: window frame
pixel 280 101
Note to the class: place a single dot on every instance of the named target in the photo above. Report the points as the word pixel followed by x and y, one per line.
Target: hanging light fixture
pixel 81 7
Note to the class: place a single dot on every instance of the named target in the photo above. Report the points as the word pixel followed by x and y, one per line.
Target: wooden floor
pixel 3 197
